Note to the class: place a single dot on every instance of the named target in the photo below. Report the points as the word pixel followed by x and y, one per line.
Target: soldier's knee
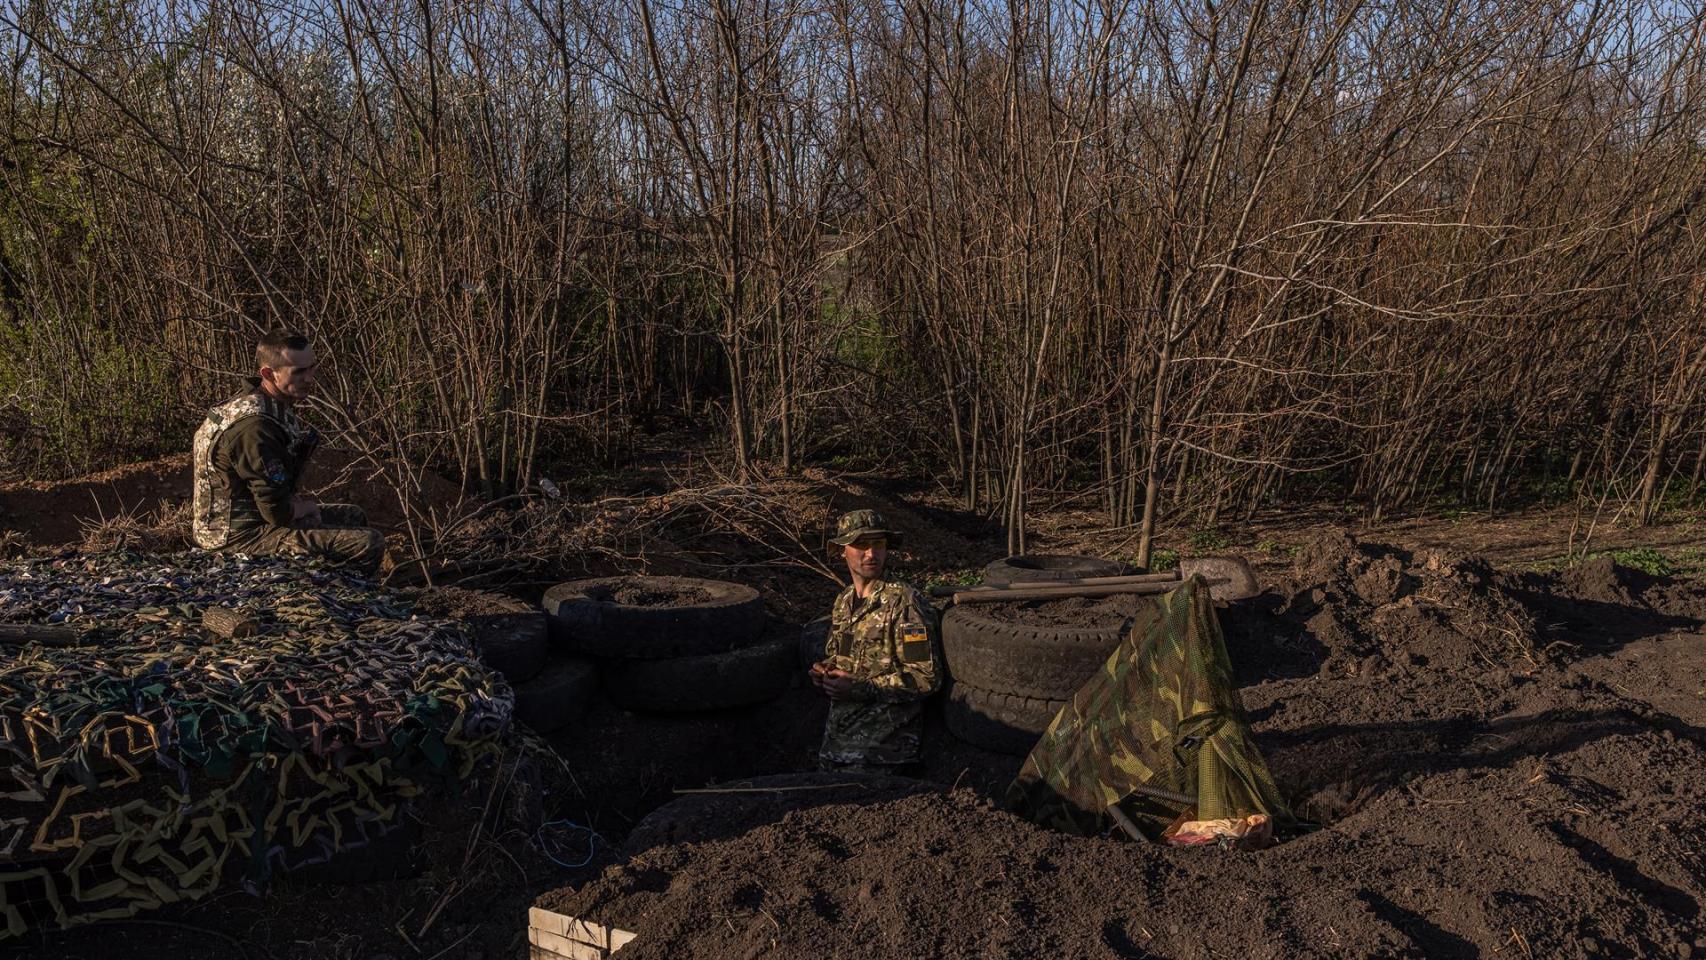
pixel 372 545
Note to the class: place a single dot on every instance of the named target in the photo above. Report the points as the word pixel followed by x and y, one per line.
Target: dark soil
pixel 647 594
pixel 1068 612
pixel 456 603
pixel 1496 765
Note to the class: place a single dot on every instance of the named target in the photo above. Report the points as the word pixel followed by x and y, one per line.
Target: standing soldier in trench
pixel 249 456
pixel 881 659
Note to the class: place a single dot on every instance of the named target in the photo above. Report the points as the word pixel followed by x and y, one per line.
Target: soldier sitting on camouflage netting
pixel 881 660
pixel 249 457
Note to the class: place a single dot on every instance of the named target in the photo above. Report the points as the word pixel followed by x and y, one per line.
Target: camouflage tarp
pixel 153 761
pixel 1162 715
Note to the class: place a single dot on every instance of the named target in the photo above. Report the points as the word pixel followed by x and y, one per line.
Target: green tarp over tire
pixel 1161 715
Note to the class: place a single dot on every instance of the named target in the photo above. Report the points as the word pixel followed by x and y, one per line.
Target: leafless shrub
pixel 1186 258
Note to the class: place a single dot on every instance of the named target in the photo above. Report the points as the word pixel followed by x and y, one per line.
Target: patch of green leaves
pixel 962 577
pixel 1687 562
pixel 1203 541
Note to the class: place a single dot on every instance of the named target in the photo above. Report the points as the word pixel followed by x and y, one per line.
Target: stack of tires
pixel 1011 678
pixel 552 688
pixel 672 644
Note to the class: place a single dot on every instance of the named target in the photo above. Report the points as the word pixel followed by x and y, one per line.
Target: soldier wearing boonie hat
pixel 880 660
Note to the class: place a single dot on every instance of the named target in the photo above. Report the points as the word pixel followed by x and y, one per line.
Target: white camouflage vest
pixel 212 506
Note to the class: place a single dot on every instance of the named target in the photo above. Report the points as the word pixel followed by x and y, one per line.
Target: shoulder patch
pixel 275 473
pixel 914 644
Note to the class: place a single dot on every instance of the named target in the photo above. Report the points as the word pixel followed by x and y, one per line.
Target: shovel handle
pixel 1170 577
pixel 1151 588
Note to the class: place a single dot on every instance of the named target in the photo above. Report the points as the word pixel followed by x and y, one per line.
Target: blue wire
pixel 591 843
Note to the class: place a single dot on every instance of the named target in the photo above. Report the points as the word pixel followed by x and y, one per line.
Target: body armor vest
pixel 213 490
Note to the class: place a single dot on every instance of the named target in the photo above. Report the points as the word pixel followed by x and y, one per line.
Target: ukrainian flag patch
pixel 914 645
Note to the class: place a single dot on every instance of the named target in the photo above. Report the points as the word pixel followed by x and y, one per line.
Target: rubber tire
pixel 513 644
pixel 814 642
pixel 714 681
pixel 582 623
pixel 998 721
pixel 558 696
pixel 1048 663
pixel 1046 568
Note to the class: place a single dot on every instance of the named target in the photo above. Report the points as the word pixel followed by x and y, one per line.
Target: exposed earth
pixel 1491 760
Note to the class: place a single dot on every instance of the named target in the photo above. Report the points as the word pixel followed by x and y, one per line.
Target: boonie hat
pixel 863 523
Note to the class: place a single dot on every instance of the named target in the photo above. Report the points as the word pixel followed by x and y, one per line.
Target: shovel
pixel 1229 578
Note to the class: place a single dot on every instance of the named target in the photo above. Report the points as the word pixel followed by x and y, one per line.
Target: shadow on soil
pixel 1322 761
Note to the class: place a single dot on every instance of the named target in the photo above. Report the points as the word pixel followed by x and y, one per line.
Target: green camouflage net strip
pixel 154 762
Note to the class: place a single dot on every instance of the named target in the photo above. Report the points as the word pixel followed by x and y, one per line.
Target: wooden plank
pixel 551 930
pixel 563 946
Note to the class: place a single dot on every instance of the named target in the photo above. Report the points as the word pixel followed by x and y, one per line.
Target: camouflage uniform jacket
pixel 249 453
pixel 888 642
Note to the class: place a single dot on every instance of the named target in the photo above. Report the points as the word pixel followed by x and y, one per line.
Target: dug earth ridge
pixel 1497 764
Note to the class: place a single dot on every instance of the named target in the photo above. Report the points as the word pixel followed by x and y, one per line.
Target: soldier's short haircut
pixel 270 351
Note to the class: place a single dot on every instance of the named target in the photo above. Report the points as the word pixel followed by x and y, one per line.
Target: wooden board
pixel 555 936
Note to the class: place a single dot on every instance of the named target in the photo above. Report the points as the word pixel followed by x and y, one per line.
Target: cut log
pixel 230 624
pixel 46 634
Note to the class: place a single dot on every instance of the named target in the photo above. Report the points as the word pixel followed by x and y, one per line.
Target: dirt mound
pixel 1603 580
pixel 1068 612
pixel 1372 606
pixel 1499 850
pixel 1475 787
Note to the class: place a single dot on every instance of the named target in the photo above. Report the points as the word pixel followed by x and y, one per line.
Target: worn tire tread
pixel 1002 722
pixel 1027 660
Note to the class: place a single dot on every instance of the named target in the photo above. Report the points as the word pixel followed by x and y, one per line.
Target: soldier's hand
pixel 837 683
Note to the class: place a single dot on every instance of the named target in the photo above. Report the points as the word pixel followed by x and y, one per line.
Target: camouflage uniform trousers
pixel 887 642
pixel 343 537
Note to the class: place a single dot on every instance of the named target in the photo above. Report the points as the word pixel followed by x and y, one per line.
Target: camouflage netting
pixel 154 762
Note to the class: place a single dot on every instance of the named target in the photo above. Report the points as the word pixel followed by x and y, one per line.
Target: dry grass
pixel 165 529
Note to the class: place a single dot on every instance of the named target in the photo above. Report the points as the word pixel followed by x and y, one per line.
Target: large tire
pixel 712 681
pixel 509 634
pixel 586 619
pixel 1047 568
pixel 814 642
pixel 1029 660
pixel 998 721
pixel 558 696
pixel 513 644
